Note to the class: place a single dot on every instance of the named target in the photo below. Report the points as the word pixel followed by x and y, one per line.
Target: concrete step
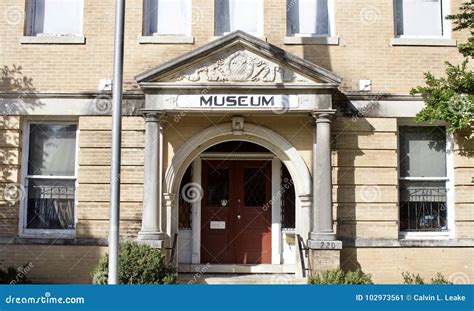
pixel 270 279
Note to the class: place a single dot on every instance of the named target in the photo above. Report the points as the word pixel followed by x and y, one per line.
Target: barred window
pixel 423 178
pixel 51 176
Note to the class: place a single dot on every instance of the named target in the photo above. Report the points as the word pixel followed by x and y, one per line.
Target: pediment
pixel 238 58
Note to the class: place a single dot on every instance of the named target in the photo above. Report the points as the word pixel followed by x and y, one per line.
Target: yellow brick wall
pixel 464 184
pixel 94 176
pixel 10 191
pixel 54 263
pixel 387 264
pixel 365 178
pixel 365 28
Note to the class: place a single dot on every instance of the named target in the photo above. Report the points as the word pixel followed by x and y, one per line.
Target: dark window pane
pixel 423 206
pixel 422 151
pixel 52 149
pixel 50 204
pixel 185 205
pixel 217 186
pixel 287 200
pixel 254 187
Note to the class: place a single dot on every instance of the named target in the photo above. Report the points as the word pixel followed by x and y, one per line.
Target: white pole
pixel 116 143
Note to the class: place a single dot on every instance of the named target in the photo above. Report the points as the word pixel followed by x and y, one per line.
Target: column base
pixel 324 255
pixel 152 239
pixel 322 236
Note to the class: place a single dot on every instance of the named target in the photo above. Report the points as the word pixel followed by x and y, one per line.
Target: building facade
pixel 268 136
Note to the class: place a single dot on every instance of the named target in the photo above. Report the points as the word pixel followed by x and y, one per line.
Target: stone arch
pixel 252 133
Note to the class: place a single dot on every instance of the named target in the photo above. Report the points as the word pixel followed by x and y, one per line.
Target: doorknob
pixel 238 217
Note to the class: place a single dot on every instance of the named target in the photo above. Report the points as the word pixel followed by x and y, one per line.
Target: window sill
pixel 47 234
pixel 53 40
pixel 409 236
pixel 423 42
pixel 294 40
pixel 166 40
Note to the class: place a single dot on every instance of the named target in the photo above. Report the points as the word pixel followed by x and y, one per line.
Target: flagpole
pixel 116 143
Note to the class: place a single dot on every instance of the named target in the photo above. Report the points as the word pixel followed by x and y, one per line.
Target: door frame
pixel 276 206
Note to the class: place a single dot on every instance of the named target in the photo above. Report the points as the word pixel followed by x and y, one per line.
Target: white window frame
pixel 450 213
pixel 45 233
pixel 446 24
pixel 332 24
pixel 260 21
pixel 146 22
pixel 30 22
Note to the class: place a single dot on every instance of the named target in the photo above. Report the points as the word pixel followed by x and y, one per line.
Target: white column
pixel 276 211
pixel 152 231
pixel 322 220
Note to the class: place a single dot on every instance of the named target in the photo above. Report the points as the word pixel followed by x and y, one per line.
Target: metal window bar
pixel 423 209
pixel 52 206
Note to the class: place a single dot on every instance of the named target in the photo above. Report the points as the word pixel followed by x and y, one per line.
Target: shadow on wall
pixel 46 260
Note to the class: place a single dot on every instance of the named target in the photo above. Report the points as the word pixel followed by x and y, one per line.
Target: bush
pixel 138 264
pixel 410 278
pixel 12 275
pixel 439 279
pixel 337 276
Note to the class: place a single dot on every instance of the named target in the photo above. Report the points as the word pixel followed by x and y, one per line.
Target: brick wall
pixel 365 29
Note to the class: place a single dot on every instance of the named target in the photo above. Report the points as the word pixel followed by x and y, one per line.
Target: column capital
pixel 323 115
pixel 154 116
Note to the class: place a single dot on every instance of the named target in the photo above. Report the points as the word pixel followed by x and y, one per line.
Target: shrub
pixel 337 276
pixel 12 275
pixel 138 264
pixel 411 278
pixel 440 279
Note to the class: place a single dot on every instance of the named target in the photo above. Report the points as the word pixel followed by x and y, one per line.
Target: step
pixel 249 279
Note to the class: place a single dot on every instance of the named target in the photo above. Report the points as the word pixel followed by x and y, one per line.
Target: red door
pixel 236 212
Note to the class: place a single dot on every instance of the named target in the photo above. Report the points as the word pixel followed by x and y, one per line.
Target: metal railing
pixel 423 209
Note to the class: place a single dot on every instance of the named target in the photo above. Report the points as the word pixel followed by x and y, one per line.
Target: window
pixel 423 179
pixel 421 18
pixel 167 18
pixel 245 15
pixel 55 17
pixel 309 17
pixel 50 177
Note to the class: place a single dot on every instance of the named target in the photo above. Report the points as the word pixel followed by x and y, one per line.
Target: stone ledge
pixel 391 243
pixel 423 42
pixel 295 40
pixel 166 40
pixel 53 40
pixel 45 241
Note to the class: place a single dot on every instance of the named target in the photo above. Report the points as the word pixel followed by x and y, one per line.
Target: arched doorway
pixel 262 148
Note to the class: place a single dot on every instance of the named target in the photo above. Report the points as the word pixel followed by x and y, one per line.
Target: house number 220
pixel 328 245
